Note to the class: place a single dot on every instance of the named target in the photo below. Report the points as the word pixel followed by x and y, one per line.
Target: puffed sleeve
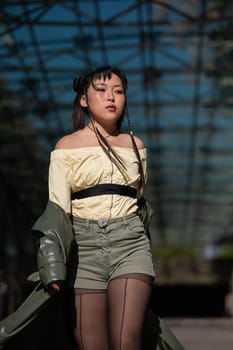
pixel 59 187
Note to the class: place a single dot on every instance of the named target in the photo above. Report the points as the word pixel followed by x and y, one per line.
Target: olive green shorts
pixel 109 248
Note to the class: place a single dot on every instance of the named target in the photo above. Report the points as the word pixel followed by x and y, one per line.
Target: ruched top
pixel 72 170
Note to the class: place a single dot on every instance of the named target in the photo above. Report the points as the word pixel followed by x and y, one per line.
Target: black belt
pixel 105 189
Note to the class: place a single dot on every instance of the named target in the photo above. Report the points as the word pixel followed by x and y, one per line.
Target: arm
pixel 51 262
pixel 55 225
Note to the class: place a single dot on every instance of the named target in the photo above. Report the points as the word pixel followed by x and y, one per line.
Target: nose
pixel 110 95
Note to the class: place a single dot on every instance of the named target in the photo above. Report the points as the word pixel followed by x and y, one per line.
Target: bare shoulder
pixel 139 142
pixel 126 141
pixel 66 142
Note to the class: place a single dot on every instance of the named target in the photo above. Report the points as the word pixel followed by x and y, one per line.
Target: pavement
pixel 203 333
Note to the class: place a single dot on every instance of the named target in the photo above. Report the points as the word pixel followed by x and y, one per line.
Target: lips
pixel 111 108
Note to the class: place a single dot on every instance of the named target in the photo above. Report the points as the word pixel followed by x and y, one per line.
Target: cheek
pixel 94 101
pixel 122 103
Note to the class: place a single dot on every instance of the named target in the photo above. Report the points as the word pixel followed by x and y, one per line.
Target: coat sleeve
pixel 50 260
pixel 53 244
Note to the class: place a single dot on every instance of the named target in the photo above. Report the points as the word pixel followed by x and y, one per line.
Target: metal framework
pixel 177 57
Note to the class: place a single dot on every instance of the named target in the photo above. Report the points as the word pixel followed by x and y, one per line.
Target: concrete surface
pixel 203 334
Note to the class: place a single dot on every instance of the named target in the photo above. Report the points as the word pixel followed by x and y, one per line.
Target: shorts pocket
pixel 135 227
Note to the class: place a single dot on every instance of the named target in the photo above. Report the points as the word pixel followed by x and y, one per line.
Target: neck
pixel 105 132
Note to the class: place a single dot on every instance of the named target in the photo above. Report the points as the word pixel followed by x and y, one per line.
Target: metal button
pixel 102 223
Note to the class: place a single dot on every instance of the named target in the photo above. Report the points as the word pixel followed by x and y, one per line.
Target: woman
pixel 97 175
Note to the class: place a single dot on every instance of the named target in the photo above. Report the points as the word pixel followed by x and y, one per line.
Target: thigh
pixel 91 325
pixel 128 298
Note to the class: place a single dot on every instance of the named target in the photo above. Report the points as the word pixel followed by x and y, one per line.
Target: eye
pixel 100 89
pixel 119 91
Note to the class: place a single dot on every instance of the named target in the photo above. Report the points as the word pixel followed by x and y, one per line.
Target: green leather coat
pixel 41 321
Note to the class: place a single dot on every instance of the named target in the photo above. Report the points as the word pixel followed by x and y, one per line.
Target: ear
pixel 83 101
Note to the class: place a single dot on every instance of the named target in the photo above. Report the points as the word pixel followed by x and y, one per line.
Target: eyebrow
pixel 116 85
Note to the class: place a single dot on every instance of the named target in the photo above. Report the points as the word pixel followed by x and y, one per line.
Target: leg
pixel 91 330
pixel 128 298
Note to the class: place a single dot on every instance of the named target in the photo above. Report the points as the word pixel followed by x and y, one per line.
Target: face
pixel 105 99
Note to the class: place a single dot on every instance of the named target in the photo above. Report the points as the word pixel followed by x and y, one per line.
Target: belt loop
pixel 125 221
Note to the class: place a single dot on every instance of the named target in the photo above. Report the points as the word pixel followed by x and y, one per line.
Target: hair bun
pixel 78 85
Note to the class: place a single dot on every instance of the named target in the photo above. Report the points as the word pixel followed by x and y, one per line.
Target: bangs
pixel 106 73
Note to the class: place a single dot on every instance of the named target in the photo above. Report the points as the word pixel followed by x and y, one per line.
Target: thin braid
pixel 107 148
pixel 142 178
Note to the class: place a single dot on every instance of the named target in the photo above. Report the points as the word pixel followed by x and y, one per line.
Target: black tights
pixel 112 319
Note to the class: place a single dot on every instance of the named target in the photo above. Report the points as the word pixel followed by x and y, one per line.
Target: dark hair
pixel 80 86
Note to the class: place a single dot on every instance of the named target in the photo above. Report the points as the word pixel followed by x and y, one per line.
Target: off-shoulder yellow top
pixel 72 170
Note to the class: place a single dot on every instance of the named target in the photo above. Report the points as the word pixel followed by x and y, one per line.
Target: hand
pixel 56 285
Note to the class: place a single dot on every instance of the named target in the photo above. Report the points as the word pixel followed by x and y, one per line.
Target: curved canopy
pixel 178 59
